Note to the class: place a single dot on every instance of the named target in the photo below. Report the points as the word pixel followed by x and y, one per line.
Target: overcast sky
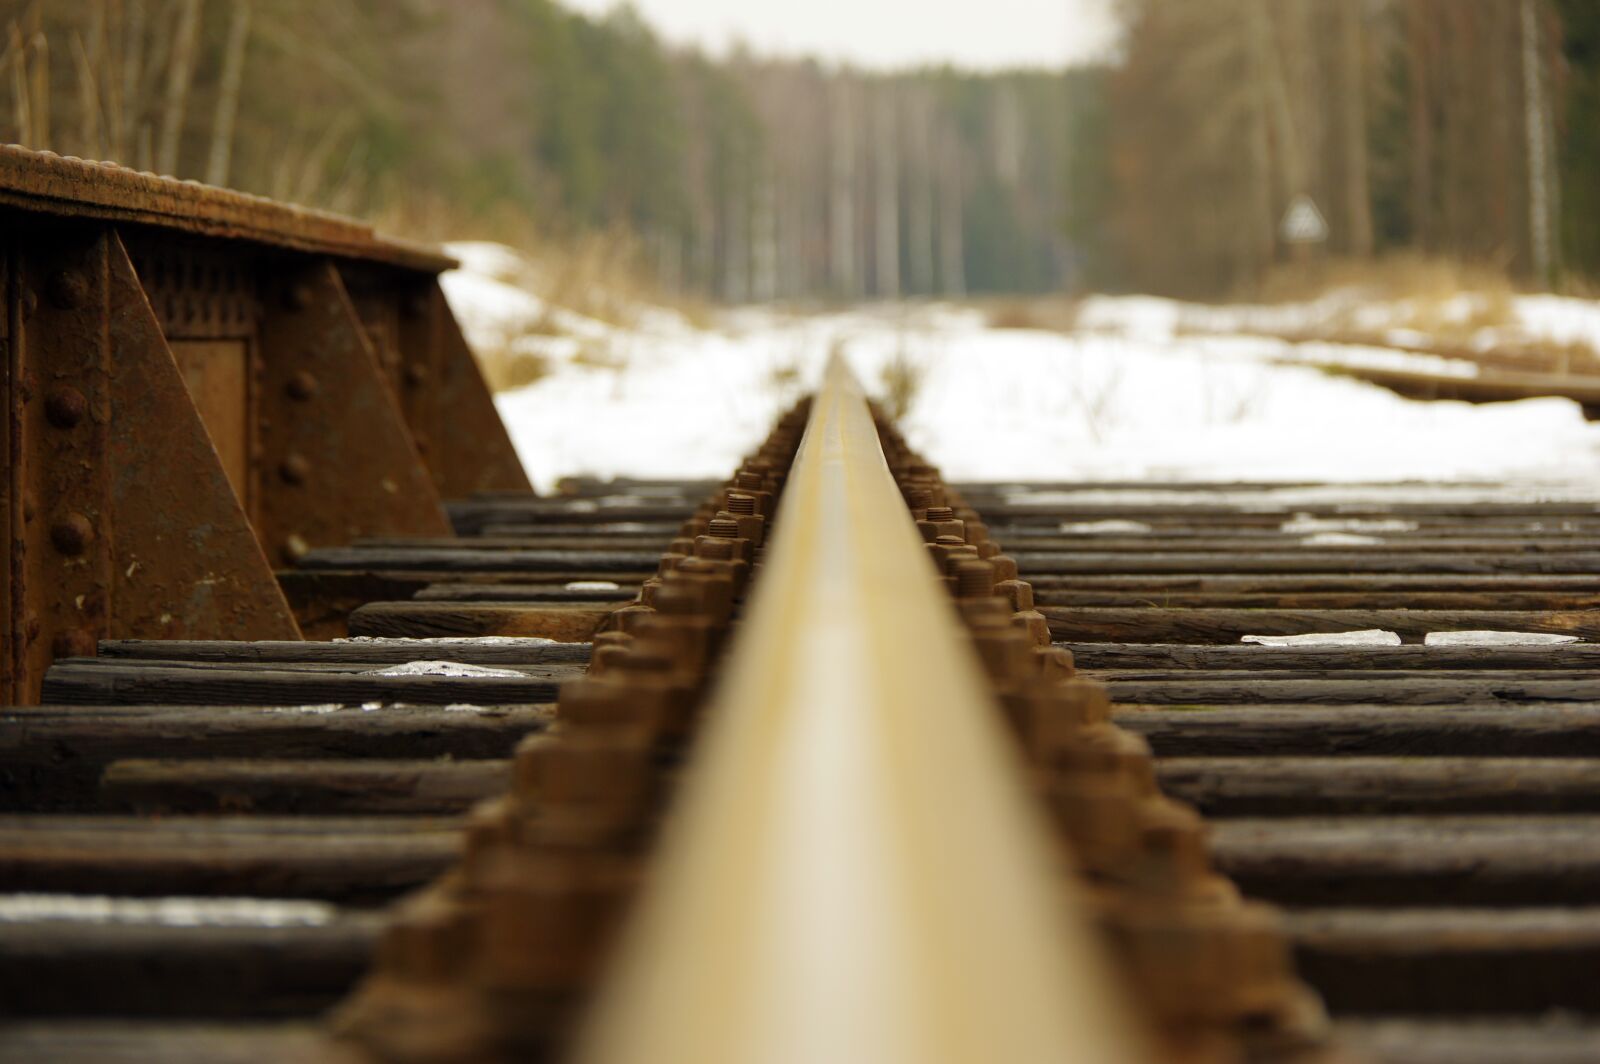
pixel 880 33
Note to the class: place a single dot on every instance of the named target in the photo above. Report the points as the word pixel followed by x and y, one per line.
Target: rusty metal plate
pixel 187 564
pixel 469 448
pixel 338 461
pixel 217 375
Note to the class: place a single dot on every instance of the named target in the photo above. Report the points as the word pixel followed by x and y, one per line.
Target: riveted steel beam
pixel 338 461
pixel 436 379
pixel 119 515
pixel 469 448
pixel 59 481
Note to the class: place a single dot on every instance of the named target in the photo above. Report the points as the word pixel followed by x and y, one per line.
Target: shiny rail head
pixel 854 869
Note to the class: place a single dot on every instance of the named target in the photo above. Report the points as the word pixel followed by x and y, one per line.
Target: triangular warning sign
pixel 1303 223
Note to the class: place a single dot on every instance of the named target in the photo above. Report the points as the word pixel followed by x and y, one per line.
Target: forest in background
pixel 743 178
pixel 1463 130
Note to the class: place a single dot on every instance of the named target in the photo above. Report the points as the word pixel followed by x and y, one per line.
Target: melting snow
pixel 1339 539
pixel 1373 637
pixel 592 585
pixel 1106 528
pixel 451 640
pixel 1496 639
pixel 445 668
pixel 1133 394
pixel 1306 525
pixel 167 912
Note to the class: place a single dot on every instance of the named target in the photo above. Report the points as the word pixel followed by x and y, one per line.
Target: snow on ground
pixel 1126 397
pixel 1532 319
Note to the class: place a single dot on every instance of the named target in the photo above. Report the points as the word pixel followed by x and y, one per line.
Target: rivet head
pixel 30 303
pixel 72 534
pixel 416 305
pixel 302 385
pixel 417 374
pixel 295 469
pixel 75 643
pixel 67 289
pixel 65 406
pixel 297 296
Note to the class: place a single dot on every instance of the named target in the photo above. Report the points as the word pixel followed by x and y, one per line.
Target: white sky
pixel 889 33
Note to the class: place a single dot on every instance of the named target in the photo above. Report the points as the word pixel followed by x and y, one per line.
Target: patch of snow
pixel 1106 528
pixel 1496 639
pixel 450 640
pixel 1373 637
pixel 1340 539
pixel 1306 525
pixel 1145 389
pixel 165 912
pixel 445 668
pixel 592 585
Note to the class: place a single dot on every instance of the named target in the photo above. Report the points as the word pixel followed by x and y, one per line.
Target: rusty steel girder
pixel 121 520
pixel 200 385
pixel 338 460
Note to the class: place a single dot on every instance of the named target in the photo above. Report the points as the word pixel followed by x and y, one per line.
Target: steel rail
pixel 854 869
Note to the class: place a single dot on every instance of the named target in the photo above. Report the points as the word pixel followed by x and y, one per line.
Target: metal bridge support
pixel 444 398
pixel 120 521
pixel 338 461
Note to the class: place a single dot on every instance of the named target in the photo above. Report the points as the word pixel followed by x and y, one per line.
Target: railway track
pixel 855 812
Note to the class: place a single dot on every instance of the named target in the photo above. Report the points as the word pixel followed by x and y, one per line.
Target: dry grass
pixel 899 383
pixel 1448 304
pixel 506 370
pixel 1401 276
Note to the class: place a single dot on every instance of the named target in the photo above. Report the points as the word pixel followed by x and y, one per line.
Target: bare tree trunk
pixel 130 109
pixel 952 245
pixel 221 157
pixel 39 91
pixel 1262 234
pixel 764 241
pixel 919 240
pixel 1358 196
pixel 180 73
pixel 736 248
pixel 886 255
pixel 1291 167
pixel 1536 122
pixel 22 109
pixel 1421 146
pixel 90 144
pixel 842 197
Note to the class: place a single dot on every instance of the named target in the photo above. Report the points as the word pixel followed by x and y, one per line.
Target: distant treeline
pixel 743 178
pixel 1467 129
pixel 1460 128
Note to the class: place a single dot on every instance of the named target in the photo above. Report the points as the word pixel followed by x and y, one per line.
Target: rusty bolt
pixel 297 296
pixel 417 374
pixel 974 579
pixel 30 303
pixel 74 643
pixel 67 289
pixel 302 385
pixel 65 406
pixel 295 469
pixel 72 534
